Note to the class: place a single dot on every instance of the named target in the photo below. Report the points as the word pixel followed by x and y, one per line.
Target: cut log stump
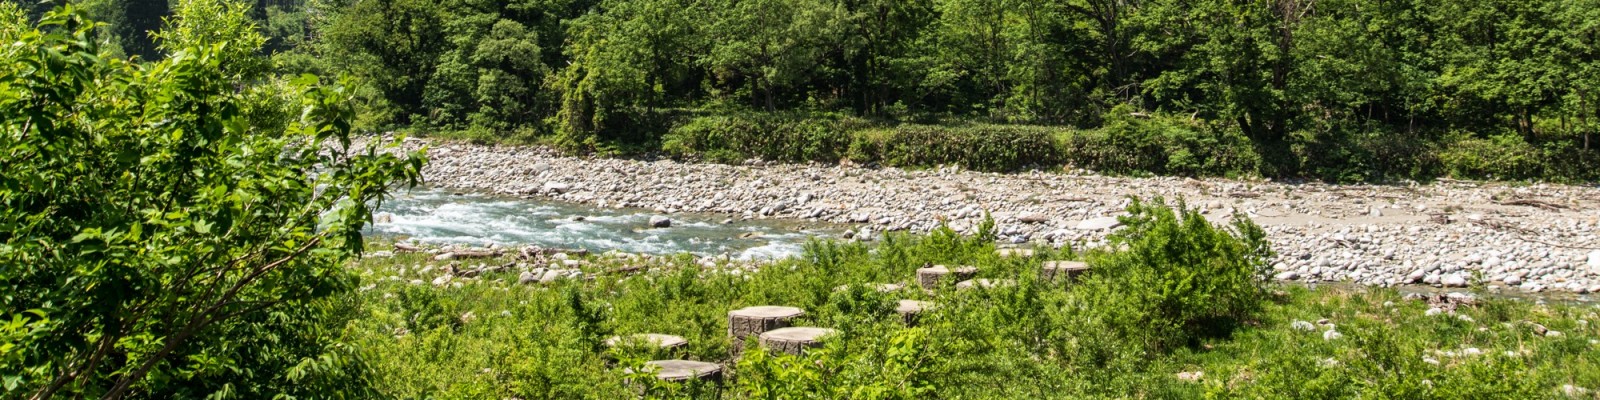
pixel 757 320
pixel 985 283
pixel 930 277
pixel 794 340
pixel 684 370
pixel 1012 252
pixel 1064 270
pixel 656 340
pixel 909 310
pixel 880 287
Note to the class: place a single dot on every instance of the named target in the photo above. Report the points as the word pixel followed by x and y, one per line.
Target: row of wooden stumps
pixel 771 325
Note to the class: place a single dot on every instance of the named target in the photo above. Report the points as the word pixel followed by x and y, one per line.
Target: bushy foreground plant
pixel 167 229
pixel 1178 278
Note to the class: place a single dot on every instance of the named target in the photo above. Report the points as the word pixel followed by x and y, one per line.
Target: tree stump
pixel 985 283
pixel 757 320
pixel 929 277
pixel 659 341
pixel 684 370
pixel 794 340
pixel 909 310
pixel 880 287
pixel 1067 270
pixel 1024 253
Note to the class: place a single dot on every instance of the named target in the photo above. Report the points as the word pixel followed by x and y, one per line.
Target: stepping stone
pixel 985 283
pixel 1068 270
pixel 1010 252
pixel 929 277
pixel 910 309
pixel 757 320
pixel 684 370
pixel 648 339
pixel 880 287
pixel 794 340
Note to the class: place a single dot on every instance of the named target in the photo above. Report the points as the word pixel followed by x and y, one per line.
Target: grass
pixel 489 337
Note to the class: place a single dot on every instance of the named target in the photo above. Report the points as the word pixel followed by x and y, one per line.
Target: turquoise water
pixel 437 216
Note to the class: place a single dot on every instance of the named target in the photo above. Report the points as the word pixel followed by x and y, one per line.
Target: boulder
pixel 1095 224
pixel 657 221
pixel 1031 217
pixel 556 187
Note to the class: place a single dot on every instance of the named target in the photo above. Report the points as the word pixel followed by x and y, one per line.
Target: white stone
pixel 1454 280
pixel 1302 326
pixel 1095 224
pixel 556 187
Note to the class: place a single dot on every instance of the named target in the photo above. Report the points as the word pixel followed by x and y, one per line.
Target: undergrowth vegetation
pixel 1178 295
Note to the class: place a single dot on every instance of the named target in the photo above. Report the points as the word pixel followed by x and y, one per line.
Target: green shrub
pixel 1180 278
pixel 1359 154
pixel 1160 144
pixel 981 147
pixel 732 138
pixel 1504 156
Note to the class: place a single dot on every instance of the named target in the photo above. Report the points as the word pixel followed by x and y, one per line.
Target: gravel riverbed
pixel 1539 237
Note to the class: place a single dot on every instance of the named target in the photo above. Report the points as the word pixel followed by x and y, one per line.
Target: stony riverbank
pixel 1522 237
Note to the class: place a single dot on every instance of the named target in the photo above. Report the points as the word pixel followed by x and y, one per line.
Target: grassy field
pixel 1182 311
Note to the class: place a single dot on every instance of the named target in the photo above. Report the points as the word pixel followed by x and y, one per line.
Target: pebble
pixel 1302 326
pixel 1191 376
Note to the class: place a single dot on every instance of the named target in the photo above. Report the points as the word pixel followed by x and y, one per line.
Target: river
pixel 438 216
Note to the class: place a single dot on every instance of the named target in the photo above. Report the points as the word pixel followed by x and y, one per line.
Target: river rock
pixel 527 277
pixel 1095 224
pixel 556 187
pixel 657 221
pixel 1594 261
pixel 1031 217
pixel 1453 280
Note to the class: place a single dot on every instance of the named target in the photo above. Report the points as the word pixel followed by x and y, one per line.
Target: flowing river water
pixel 438 216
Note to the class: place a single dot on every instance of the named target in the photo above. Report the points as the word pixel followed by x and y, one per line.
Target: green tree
pixel 393 45
pixel 161 235
pixel 625 57
pixel 772 45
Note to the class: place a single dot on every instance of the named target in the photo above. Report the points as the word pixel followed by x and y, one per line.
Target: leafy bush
pixel 1359 154
pixel 980 147
pixel 735 137
pixel 1160 144
pixel 1504 156
pixel 1179 279
pixel 168 232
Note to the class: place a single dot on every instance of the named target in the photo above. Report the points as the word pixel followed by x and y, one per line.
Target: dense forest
pixel 1344 90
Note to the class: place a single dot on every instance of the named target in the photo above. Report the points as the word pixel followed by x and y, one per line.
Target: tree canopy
pixel 173 228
